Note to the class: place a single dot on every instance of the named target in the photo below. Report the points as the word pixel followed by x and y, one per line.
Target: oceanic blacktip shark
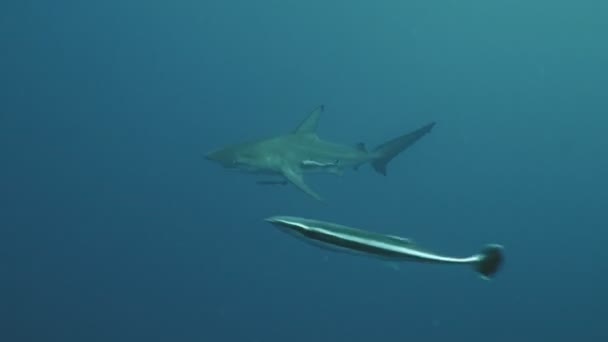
pixel 301 151
pixel 388 247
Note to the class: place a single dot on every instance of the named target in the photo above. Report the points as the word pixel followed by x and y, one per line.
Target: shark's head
pixel 236 157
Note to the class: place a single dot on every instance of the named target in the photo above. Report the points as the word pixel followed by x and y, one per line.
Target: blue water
pixel 113 228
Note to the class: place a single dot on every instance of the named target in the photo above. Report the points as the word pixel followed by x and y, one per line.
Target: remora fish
pixel 333 167
pixel 292 154
pixel 348 239
pixel 314 164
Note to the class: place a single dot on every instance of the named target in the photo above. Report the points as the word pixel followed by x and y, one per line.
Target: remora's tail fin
pixel 390 149
pixel 490 261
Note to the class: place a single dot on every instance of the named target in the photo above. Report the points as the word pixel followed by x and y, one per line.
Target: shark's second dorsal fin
pixel 309 125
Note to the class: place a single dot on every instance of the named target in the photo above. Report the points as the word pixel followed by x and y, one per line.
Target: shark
pixel 301 151
pixel 340 238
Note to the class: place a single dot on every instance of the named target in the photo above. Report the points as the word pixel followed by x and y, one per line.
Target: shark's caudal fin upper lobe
pixel 390 149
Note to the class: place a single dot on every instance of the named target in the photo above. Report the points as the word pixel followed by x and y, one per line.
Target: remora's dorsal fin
pixel 401 239
pixel 295 177
pixel 309 125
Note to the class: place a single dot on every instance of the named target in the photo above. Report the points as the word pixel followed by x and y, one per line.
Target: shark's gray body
pixel 302 151
pixel 341 238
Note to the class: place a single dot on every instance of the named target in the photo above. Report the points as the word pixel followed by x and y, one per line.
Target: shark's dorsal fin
pixel 295 177
pixel 309 125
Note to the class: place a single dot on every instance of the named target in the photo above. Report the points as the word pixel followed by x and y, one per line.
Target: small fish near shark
pixel 301 151
pixel 388 247
pixel 306 165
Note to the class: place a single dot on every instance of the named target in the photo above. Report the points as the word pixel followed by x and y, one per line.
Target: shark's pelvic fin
pixel 390 149
pixel 295 177
pixel 309 125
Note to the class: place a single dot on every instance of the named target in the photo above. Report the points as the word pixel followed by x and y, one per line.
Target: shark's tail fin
pixel 490 260
pixel 390 149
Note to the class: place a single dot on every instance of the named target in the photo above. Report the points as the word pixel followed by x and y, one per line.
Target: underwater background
pixel 114 228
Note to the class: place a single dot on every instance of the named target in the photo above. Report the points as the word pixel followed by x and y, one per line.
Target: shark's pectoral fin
pixel 296 179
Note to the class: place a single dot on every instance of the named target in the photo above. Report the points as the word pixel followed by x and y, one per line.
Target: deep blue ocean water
pixel 114 228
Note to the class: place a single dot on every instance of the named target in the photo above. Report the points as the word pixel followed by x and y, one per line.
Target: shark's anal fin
pixel 296 179
pixel 309 125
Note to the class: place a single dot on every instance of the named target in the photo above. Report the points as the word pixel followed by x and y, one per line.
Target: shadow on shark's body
pixel 302 151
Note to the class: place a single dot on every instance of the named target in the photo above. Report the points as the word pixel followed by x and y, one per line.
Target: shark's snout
pixel 209 156
pixel 215 155
pixel 221 157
